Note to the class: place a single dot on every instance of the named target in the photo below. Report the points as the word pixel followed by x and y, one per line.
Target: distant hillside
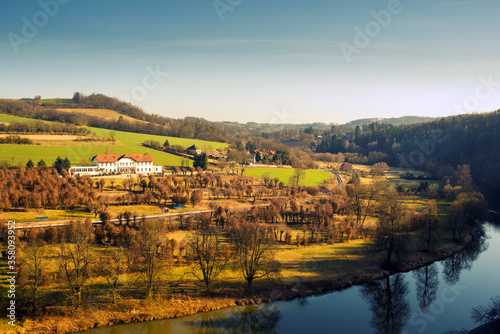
pixel 79 152
pixel 106 114
pixel 405 120
pixel 436 146
pixel 100 111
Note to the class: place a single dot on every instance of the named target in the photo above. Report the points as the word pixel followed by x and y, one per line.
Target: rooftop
pixel 116 157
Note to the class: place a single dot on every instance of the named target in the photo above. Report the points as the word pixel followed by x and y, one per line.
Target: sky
pixel 280 61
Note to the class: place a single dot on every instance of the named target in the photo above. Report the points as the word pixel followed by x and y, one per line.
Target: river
pixel 432 299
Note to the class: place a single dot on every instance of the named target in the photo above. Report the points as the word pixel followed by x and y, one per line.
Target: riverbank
pixel 177 305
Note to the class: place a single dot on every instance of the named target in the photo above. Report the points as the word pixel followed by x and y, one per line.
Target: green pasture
pixel 125 143
pixel 312 177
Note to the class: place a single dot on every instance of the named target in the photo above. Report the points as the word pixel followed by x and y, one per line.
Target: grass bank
pixel 177 304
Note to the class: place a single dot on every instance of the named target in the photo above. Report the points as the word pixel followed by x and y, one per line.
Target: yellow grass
pixel 321 261
pixel 29 215
pixel 47 137
pixel 102 113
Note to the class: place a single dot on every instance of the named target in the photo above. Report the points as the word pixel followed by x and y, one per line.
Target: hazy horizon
pixel 253 61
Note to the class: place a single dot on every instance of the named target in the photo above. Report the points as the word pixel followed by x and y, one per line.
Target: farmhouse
pixel 119 164
pixel 194 150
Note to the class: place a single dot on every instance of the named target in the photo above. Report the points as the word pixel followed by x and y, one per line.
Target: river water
pixel 433 299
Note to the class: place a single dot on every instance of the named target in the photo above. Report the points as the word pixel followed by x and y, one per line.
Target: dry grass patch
pixel 102 113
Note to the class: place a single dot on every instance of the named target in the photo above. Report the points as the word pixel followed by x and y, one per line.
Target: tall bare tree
pixel 253 252
pixel 210 254
pixel 34 268
pixel 75 258
pixel 111 267
pixel 147 246
pixel 392 234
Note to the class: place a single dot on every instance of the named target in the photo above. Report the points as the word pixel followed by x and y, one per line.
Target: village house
pixel 119 164
pixel 194 150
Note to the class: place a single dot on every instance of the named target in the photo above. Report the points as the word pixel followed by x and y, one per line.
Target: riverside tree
pixel 392 235
pixel 429 220
pixel 210 255
pixel 111 267
pixel 147 247
pixel 75 258
pixel 253 252
pixel 34 267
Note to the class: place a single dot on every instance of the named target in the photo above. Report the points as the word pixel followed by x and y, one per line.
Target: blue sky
pixel 266 61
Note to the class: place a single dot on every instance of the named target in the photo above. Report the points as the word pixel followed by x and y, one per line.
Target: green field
pixel 126 142
pixel 11 118
pixel 312 177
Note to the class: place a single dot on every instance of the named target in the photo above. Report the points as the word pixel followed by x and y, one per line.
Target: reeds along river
pixel 432 299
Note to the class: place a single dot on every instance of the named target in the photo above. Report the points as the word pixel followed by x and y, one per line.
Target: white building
pixel 119 164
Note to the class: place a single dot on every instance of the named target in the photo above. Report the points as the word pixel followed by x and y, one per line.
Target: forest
pixel 436 147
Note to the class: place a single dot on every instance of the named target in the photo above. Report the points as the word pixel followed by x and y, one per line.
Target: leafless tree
pixel 33 263
pixel 111 266
pixel 392 234
pixel 210 255
pixel 253 252
pixel 147 246
pixel 75 257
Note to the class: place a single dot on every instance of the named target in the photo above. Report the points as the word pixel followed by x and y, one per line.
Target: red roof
pixel 116 157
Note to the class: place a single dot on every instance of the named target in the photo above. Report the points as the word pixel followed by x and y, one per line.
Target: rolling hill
pixel 404 120
pixel 80 153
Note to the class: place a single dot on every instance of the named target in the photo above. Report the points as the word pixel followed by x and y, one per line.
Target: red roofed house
pixel 119 164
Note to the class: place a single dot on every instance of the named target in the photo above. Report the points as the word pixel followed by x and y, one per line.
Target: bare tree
pixel 147 246
pixel 361 199
pixel 210 255
pixel 196 197
pixel 253 251
pixel 75 258
pixel 111 266
pixel 485 314
pixel 392 234
pixel 430 222
pixel 33 267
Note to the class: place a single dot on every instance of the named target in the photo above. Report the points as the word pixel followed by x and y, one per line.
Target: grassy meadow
pixel 81 153
pixel 102 113
pixel 312 176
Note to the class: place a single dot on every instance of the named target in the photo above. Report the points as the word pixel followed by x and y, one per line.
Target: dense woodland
pixel 436 147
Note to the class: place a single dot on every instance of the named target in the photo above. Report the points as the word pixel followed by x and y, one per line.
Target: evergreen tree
pixel 66 164
pixel 41 164
pixel 77 98
pixel 30 164
pixel 61 164
pixel 250 147
pixel 58 164
pixel 201 160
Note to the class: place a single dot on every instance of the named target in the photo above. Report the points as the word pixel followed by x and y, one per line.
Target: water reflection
pixel 454 265
pixel 253 319
pixel 388 303
pixel 427 282
pixel 488 316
